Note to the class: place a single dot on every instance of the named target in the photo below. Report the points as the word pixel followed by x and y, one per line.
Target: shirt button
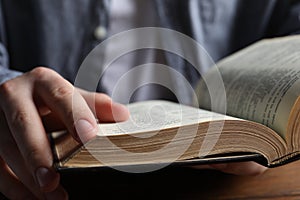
pixel 100 33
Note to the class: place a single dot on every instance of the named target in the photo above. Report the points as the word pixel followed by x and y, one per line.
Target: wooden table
pixel 184 183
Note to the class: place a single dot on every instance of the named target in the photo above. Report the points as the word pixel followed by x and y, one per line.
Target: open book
pixel 262 84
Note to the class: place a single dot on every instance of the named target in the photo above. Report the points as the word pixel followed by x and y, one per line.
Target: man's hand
pixel 41 101
pixel 31 105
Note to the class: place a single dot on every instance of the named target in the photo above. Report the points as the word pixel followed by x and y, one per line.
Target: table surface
pixel 184 183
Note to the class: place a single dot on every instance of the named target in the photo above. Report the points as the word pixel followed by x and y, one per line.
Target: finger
pixel 104 108
pixel 27 130
pixel 242 168
pixel 60 96
pixel 10 186
pixel 107 111
pixel 13 158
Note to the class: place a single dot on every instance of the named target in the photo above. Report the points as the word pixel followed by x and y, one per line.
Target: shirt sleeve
pixel 5 73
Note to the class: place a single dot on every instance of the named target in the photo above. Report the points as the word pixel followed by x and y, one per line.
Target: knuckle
pixel 41 73
pixel 7 88
pixel 21 117
pixel 44 77
pixel 62 92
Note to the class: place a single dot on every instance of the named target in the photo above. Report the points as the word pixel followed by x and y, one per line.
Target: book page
pixel 156 115
pixel 262 82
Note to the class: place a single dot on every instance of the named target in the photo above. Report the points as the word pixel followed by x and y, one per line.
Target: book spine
pixel 63 146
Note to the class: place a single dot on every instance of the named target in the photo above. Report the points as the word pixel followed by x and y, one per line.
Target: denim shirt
pixel 59 34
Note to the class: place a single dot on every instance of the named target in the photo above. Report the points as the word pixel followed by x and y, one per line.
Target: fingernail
pixel 45 177
pixel 85 130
